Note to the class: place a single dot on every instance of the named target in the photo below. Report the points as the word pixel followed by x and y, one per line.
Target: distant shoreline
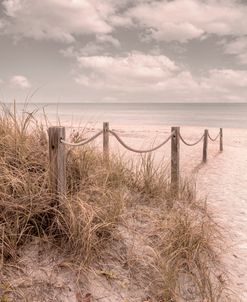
pixel 149 115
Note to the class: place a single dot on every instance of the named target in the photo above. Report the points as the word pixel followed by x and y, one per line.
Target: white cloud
pixel 59 20
pixel 20 81
pixel 228 78
pixel 238 47
pixel 180 20
pixel 183 20
pixel 137 76
pixel 143 77
pixel 134 71
pixel 226 84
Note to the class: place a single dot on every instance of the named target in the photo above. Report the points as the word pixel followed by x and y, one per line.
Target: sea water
pixel 225 115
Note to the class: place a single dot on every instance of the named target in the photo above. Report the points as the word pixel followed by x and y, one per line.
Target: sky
pixel 123 50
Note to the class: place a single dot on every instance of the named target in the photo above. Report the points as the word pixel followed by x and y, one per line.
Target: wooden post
pixel 106 143
pixel 175 152
pixel 57 162
pixel 205 146
pixel 221 139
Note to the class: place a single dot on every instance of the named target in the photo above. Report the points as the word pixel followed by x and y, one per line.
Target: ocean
pixel 223 115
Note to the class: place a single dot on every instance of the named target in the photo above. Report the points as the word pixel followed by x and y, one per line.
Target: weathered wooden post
pixel 205 146
pixel 175 152
pixel 221 139
pixel 57 162
pixel 106 143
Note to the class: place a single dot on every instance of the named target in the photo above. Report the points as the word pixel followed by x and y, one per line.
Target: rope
pixel 82 143
pixel 213 139
pixel 191 144
pixel 140 151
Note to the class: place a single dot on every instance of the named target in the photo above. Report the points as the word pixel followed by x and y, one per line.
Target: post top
pixel 60 127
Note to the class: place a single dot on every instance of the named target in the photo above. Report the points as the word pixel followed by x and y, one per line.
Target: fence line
pixel 83 142
pixel 214 139
pixel 139 151
pixel 191 144
pixel 57 156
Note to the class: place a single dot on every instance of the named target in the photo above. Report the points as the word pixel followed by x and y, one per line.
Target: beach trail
pixel 223 180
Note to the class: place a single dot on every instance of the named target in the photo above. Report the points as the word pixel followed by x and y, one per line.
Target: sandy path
pixel 224 181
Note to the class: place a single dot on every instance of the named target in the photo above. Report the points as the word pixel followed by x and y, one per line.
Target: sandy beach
pixel 221 181
pixel 145 232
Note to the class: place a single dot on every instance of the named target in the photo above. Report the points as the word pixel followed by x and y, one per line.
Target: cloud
pixel 60 20
pixel 183 20
pixel 141 77
pixel 226 84
pixel 108 39
pixel 137 76
pixel 20 81
pixel 2 23
pixel 228 78
pixel 134 71
pixel 238 47
pixel 163 20
pixel 99 46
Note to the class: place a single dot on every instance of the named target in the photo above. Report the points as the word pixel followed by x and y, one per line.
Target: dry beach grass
pixel 120 235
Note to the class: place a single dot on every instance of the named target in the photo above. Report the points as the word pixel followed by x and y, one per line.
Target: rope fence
pixel 191 144
pixel 213 139
pixel 83 142
pixel 140 151
pixel 57 151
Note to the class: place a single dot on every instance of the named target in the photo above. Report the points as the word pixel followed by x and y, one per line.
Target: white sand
pixel 223 181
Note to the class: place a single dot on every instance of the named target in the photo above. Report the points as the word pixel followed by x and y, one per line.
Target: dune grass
pixel 179 233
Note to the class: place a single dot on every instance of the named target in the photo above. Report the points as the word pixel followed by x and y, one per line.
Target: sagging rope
pixel 213 139
pixel 140 151
pixel 82 143
pixel 191 144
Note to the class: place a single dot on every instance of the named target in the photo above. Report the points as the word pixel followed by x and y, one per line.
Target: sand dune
pixel 223 181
